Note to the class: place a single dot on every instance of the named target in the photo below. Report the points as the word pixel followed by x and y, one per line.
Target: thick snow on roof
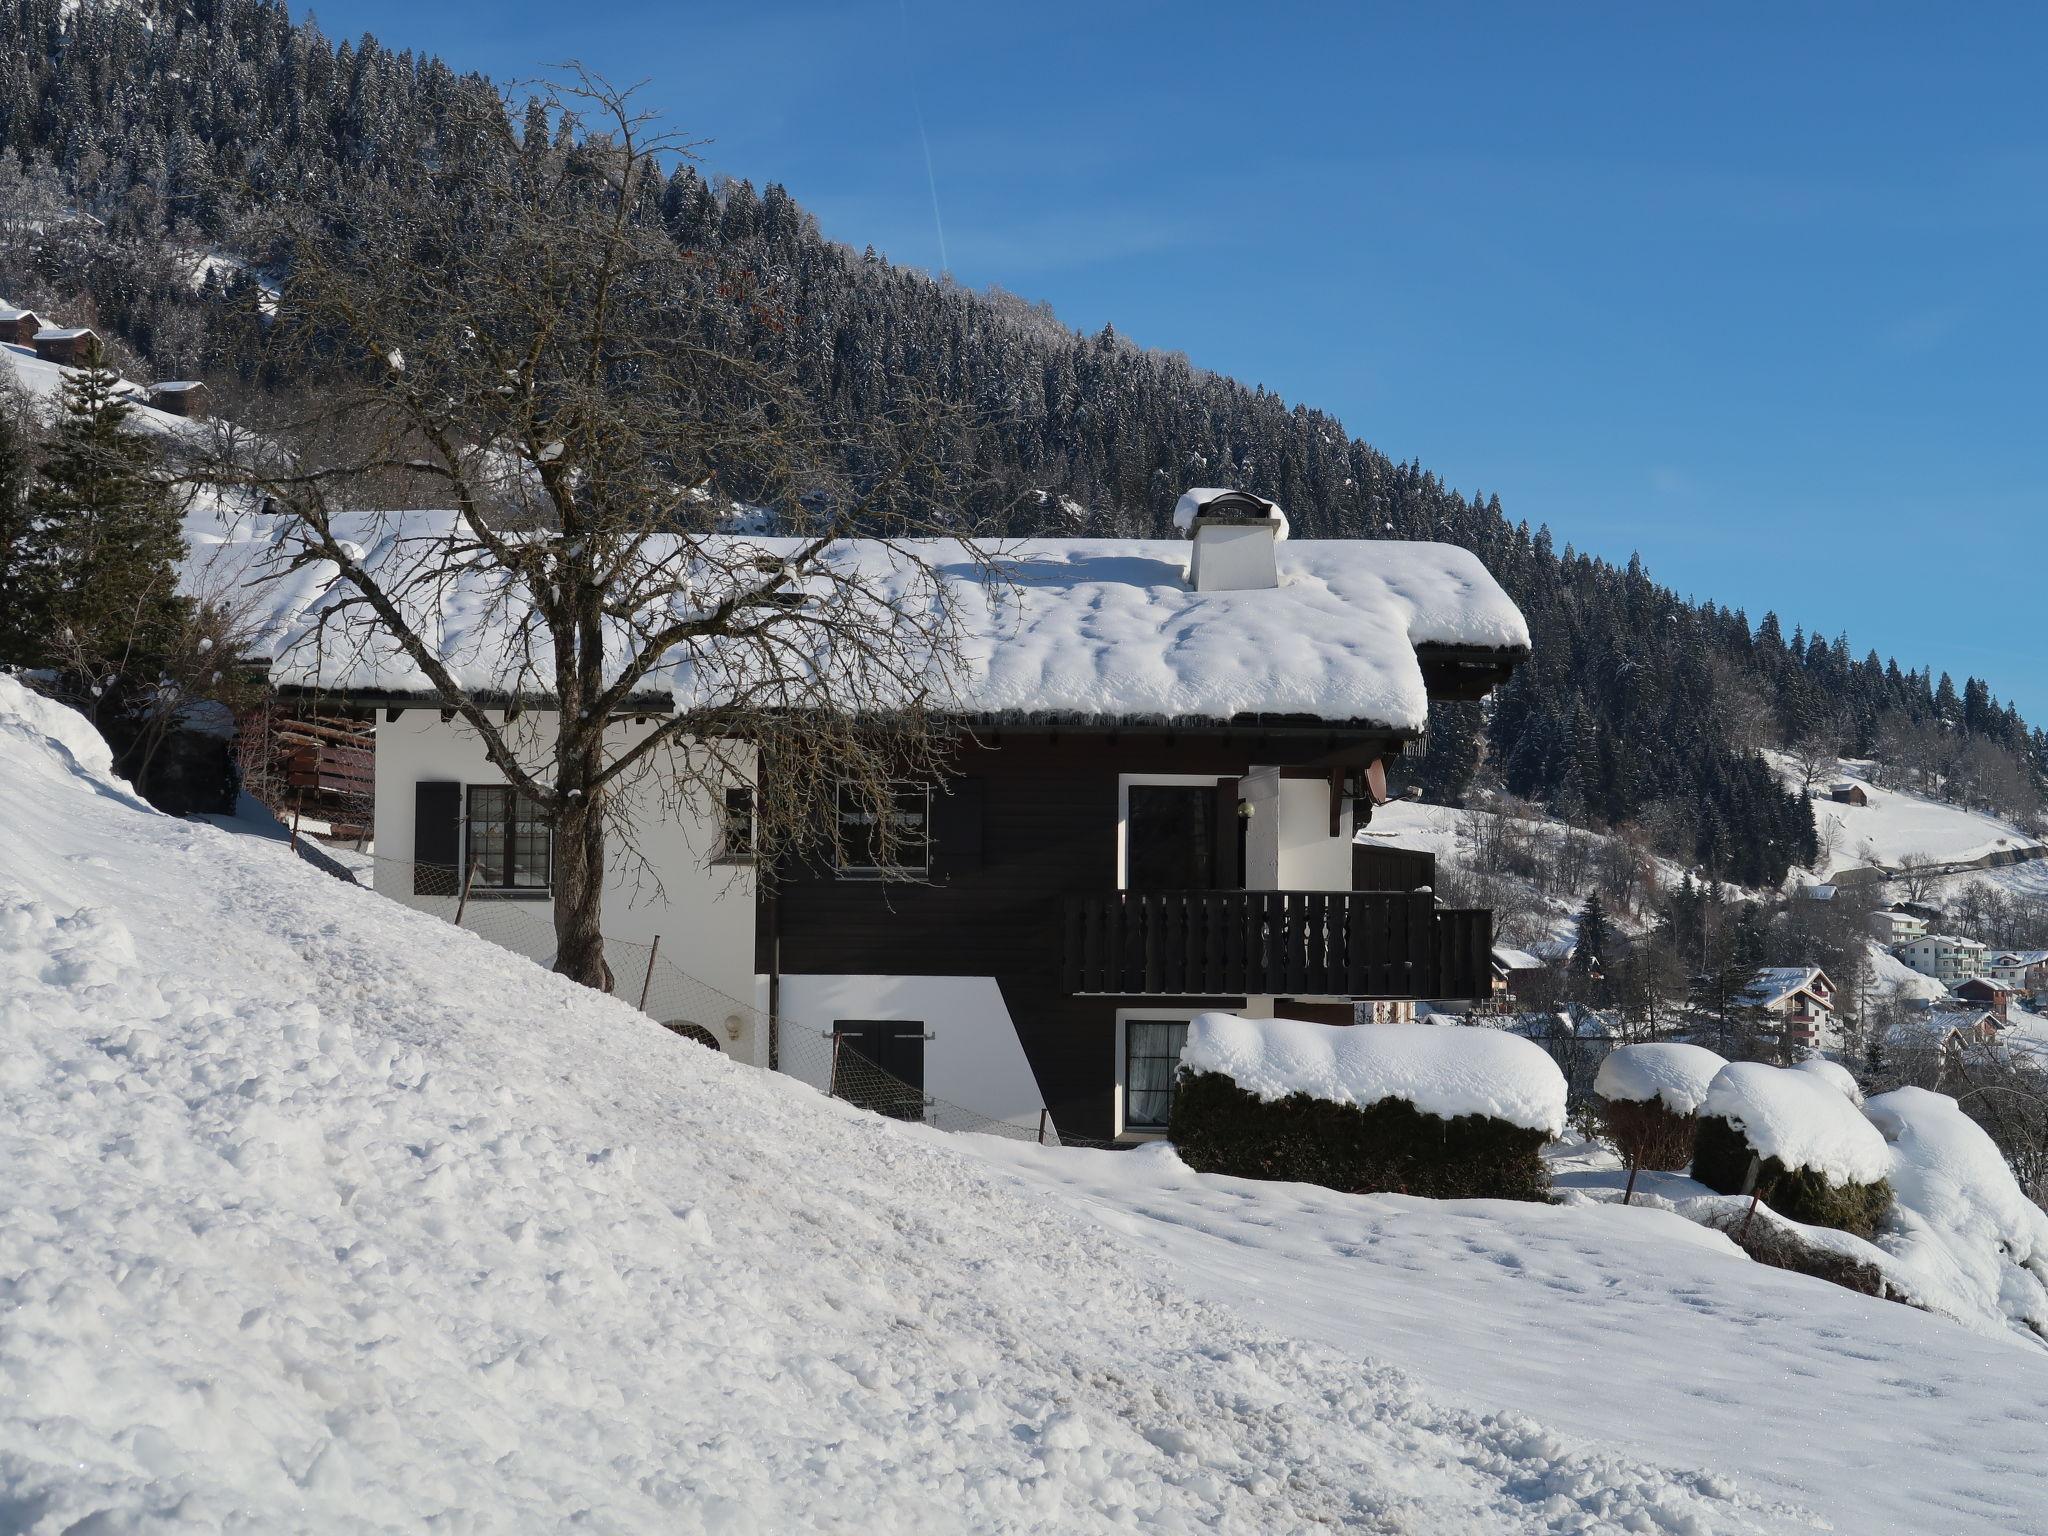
pixel 1960 1217
pixel 1070 628
pixel 1775 983
pixel 1800 1119
pixel 1445 1071
pixel 1191 503
pixel 1673 1072
pixel 1512 959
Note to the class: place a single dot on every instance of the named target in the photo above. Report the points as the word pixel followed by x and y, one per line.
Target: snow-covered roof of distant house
pixel 63 332
pixel 1843 786
pixel 1511 959
pixel 1065 629
pixel 2006 958
pixel 1948 938
pixel 1204 501
pixel 176 386
pixel 10 316
pixel 1775 983
pixel 1819 892
pixel 1983 983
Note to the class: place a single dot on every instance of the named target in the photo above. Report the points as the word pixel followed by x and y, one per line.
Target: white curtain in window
pixel 1151 1057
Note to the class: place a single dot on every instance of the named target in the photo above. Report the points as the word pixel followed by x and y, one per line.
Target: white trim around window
pixel 1124 781
pixel 1124 1018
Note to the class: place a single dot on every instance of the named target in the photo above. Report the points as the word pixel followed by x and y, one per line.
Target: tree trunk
pixel 579 894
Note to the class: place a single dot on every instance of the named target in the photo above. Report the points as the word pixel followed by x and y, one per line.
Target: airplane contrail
pixel 917 107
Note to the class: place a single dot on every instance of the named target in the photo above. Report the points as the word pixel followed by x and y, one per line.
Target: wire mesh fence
pixel 849 1064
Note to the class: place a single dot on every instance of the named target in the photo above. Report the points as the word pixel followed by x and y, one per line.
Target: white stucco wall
pixel 974 1058
pixel 703 912
pixel 1287 844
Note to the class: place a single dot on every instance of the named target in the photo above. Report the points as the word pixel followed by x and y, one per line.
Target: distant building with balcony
pixel 1944 956
pixel 1801 1000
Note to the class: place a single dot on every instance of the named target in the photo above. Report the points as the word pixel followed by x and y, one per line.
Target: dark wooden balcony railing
pixel 1360 944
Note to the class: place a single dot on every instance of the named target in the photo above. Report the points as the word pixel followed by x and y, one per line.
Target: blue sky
pixel 1760 293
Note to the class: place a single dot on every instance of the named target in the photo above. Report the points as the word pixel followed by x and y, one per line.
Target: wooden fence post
pixel 648 980
pixel 462 902
pixel 1042 1113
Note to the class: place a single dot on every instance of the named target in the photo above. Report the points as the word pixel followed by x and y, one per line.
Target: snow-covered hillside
pixel 1899 826
pixel 322 1215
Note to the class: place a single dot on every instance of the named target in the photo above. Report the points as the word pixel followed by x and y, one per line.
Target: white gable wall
pixel 703 912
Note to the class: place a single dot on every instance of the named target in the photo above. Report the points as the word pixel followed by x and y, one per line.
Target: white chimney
pixel 1234 534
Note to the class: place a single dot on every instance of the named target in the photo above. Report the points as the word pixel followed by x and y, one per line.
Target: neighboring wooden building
pixel 1996 997
pixel 182 397
pixel 76 346
pixel 1849 792
pixel 18 327
pixel 2024 969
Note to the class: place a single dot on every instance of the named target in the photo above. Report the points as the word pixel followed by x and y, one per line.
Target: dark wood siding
pixel 1046 819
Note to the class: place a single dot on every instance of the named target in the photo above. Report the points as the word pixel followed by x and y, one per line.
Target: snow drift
pixel 322 1215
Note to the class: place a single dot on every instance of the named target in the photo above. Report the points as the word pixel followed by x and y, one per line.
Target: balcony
pixel 1356 944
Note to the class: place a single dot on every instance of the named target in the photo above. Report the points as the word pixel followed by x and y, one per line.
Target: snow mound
pixel 1833 1073
pixel 1445 1071
pixel 1677 1074
pixel 67 736
pixel 1960 1220
pixel 321 1215
pixel 1799 1118
pixel 1191 503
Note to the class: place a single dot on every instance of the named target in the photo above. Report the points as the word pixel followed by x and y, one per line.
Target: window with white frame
pixel 1150 1057
pixel 511 847
pixel 890 841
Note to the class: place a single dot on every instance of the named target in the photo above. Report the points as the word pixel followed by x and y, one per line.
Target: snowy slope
pixel 1899 825
pixel 1631 1327
pixel 323 1216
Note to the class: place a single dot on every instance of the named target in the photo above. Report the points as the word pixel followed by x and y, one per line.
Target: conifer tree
pixel 105 539
pixel 24 599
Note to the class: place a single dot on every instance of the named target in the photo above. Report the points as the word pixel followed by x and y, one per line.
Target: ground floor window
pixel 1151 1057
pixel 510 846
pixel 879 1065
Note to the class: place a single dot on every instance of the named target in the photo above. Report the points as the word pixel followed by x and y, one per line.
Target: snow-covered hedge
pixel 1648 1098
pixel 1448 1112
pixel 1817 1159
pixel 1960 1220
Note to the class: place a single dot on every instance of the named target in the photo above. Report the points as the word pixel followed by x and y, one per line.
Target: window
pixel 898 835
pixel 736 826
pixel 1151 1057
pixel 1170 838
pixel 509 845
pixel 879 1065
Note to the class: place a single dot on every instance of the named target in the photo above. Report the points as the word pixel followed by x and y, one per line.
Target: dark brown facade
pixel 75 348
pixel 1023 887
pixel 19 327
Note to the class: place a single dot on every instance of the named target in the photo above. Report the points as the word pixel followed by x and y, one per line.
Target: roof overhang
pixel 1466 674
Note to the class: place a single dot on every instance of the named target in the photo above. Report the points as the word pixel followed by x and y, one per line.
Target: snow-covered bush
pixel 1960 1219
pixel 1446 1112
pixel 1815 1158
pixel 1648 1100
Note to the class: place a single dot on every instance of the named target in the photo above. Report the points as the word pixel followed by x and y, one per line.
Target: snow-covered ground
pixel 321 1215
pixel 1898 825
pixel 1631 1328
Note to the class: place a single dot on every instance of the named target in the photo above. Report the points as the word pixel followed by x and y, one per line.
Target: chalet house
pixel 1996 997
pixel 1163 752
pixel 2025 970
pixel 75 346
pixel 1849 792
pixel 182 397
pixel 1800 999
pixel 18 327
pixel 1514 970
pixel 1944 956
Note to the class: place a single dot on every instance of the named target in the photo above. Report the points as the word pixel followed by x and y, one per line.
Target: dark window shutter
pixel 956 826
pixel 436 836
pixel 1229 837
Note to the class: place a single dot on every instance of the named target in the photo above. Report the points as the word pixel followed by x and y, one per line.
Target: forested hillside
pixel 137 140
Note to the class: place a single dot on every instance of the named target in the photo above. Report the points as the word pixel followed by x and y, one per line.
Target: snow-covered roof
pixel 176 386
pixel 1511 959
pixel 1675 1073
pixel 1065 629
pixel 1800 1118
pixel 10 316
pixel 63 333
pixel 1444 1071
pixel 1773 984
pixel 1194 502
pixel 2006 959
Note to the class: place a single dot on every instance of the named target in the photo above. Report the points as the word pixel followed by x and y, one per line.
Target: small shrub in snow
pixel 1816 1159
pixel 1443 1112
pixel 1648 1099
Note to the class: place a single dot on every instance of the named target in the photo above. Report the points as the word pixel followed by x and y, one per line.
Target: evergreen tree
pixel 24 594
pixel 105 539
pixel 1594 937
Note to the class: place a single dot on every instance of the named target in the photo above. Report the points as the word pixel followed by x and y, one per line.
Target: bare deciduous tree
pixel 517 341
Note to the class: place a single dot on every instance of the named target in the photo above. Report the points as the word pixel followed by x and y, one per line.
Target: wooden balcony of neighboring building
pixel 1348 944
